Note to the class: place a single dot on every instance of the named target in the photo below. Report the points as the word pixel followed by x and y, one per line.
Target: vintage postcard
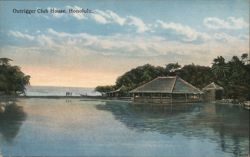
pixel 132 78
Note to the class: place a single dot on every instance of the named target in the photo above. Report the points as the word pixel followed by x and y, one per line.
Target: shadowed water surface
pixel 60 127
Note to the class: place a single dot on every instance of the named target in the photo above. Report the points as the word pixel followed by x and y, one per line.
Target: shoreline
pixel 50 97
pixel 11 98
pixel 92 98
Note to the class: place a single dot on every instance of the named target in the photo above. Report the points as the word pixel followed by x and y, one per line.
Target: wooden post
pixel 161 98
pixel 186 96
pixel 151 98
pixel 142 97
pixel 171 102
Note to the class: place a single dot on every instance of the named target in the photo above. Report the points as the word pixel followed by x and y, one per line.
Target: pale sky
pixel 87 50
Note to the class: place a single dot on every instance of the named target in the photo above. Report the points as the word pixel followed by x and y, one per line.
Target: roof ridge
pixel 166 84
pixel 166 76
pixel 174 84
pixel 144 84
pixel 214 86
pixel 189 84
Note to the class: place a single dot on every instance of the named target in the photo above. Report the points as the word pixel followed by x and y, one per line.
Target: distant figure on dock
pixel 68 93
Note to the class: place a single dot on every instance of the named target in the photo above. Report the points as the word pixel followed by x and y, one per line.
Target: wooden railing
pixel 163 100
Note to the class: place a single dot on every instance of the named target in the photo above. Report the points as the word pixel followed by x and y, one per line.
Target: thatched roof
pixel 171 84
pixel 117 90
pixel 212 86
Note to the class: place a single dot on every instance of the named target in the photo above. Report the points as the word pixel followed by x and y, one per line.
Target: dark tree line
pixel 12 79
pixel 233 76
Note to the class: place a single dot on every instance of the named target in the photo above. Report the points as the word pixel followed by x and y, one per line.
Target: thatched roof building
pixel 116 93
pixel 213 92
pixel 171 84
pixel 166 89
pixel 212 86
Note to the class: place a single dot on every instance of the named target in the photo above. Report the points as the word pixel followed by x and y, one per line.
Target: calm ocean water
pixel 58 91
pixel 78 127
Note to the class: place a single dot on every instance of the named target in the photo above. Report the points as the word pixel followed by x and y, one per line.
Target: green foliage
pixel 171 68
pixel 139 76
pixel 12 79
pixel 5 61
pixel 104 89
pixel 233 76
pixel 197 75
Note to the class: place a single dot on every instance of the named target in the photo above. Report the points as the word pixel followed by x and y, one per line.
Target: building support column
pixel 171 102
pixel 161 98
pixel 151 98
pixel 142 98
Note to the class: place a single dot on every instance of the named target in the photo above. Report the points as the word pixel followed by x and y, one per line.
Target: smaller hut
pixel 213 92
pixel 116 93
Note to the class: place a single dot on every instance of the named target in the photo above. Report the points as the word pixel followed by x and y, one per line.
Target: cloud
pixel 63 43
pixel 102 17
pixel 116 18
pixel 189 33
pixel 118 44
pixel 225 37
pixel 89 54
pixel 229 23
pixel 18 34
pixel 45 40
pixel 138 23
pixel 107 16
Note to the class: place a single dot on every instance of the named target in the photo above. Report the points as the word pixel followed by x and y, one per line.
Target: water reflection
pixel 164 119
pixel 11 120
pixel 227 126
pixel 232 125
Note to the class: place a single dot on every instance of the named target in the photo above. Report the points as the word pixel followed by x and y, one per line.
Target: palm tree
pixel 244 58
pixel 220 68
pixel 5 61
